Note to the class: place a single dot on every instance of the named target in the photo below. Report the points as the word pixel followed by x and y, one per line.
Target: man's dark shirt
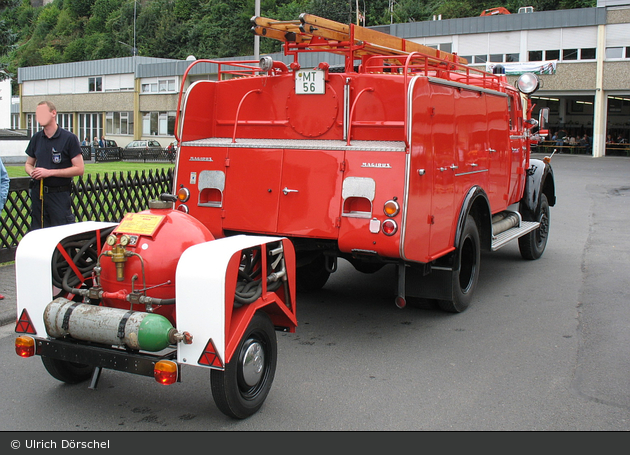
pixel 54 153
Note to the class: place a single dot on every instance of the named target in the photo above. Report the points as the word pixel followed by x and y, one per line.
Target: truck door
pixel 431 175
pixel 500 151
pixel 253 184
pixel 310 193
pixel 445 165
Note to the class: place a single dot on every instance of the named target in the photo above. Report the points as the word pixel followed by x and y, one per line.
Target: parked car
pixel 140 145
pixel 110 143
pixel 143 149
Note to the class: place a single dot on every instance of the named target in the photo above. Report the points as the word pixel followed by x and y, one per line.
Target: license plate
pixel 310 82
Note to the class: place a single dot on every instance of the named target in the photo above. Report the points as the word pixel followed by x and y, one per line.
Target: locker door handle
pixel 287 191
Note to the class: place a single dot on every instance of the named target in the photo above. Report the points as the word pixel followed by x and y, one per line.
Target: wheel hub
pixel 253 363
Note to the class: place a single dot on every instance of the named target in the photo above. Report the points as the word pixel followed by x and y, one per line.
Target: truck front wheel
pixel 532 245
pixel 240 390
pixel 68 372
pixel 465 270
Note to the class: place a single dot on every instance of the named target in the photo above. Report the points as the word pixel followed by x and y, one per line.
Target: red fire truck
pixel 404 155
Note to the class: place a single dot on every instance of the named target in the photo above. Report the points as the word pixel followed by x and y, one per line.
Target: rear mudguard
pixel 539 180
pixel 476 204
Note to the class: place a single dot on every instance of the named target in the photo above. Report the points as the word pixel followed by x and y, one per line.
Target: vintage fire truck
pixel 402 156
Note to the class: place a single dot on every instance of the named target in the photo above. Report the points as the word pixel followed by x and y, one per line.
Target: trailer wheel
pixel 312 276
pixel 68 372
pixel 241 389
pixel 465 270
pixel 533 244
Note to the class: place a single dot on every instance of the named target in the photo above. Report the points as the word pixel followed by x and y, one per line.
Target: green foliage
pixel 75 30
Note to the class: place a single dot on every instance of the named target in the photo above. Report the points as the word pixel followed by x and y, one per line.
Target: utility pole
pixel 256 37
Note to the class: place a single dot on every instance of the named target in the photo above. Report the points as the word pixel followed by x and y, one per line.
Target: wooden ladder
pixel 341 38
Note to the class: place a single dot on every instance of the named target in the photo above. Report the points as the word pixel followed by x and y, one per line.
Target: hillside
pixel 76 30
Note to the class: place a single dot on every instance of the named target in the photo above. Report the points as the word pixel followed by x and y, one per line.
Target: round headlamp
pixel 528 83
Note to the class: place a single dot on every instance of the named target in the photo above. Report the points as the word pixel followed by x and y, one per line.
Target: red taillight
pixel 165 372
pixel 25 346
pixel 183 208
pixel 389 227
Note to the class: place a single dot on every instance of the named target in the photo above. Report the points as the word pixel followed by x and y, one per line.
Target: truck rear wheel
pixel 68 372
pixel 240 390
pixel 465 270
pixel 312 276
pixel 533 244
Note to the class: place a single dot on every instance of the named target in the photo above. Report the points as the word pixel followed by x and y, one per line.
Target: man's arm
pixel 30 165
pixel 39 173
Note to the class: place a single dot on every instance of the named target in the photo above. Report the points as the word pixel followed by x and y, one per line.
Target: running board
pixel 505 237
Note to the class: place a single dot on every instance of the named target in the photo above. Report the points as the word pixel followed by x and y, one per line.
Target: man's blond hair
pixel 50 105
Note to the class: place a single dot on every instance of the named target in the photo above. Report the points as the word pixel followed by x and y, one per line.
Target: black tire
pixel 68 372
pixel 240 390
pixel 312 276
pixel 465 270
pixel 532 245
pixel 367 267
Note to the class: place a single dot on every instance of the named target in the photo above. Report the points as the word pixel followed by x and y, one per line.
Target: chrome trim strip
pixel 299 144
pixel 466 87
pixel 472 172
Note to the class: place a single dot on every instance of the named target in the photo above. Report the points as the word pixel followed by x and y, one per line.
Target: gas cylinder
pixel 141 255
pixel 111 326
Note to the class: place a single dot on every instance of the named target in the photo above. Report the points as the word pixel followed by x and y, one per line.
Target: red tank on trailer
pixel 145 248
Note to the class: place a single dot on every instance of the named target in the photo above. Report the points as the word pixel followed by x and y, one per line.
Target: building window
pixel 569 54
pixel 66 121
pixel 161 86
pixel 166 85
pixel 496 57
pixel 588 54
pixel 552 55
pixel 535 56
pixel 158 124
pixel 90 126
pixel 119 123
pixel 15 121
pixel 617 52
pixel 512 57
pixel 32 125
pixel 95 84
pixel 480 59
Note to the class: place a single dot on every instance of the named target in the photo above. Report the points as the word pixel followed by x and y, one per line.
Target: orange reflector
pixel 391 208
pixel 183 194
pixel 25 346
pixel 165 372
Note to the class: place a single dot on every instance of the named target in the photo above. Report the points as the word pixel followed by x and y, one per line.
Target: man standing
pixel 54 158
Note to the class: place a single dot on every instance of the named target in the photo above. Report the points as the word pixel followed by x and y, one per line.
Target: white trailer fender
pixel 200 294
pixel 33 274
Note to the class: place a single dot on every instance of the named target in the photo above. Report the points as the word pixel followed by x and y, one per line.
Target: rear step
pixel 505 237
